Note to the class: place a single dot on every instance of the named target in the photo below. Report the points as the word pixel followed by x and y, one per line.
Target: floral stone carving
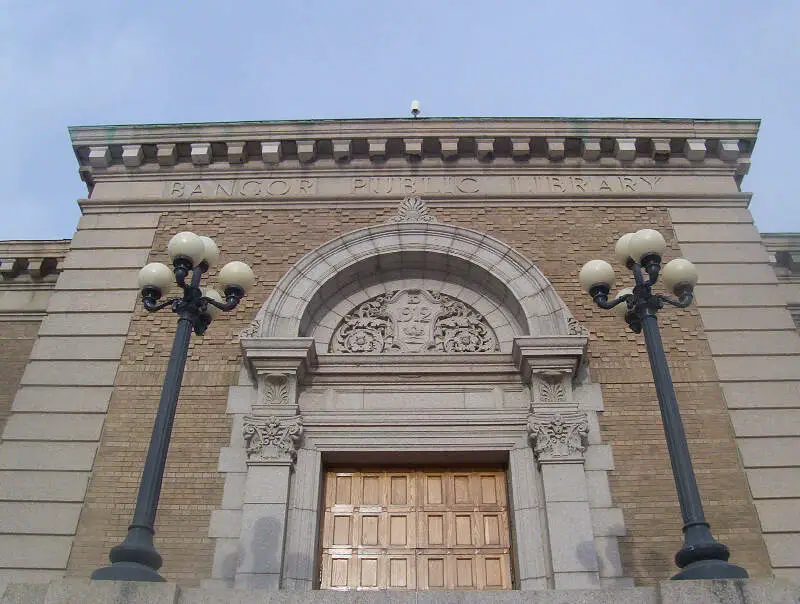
pixel 271 438
pixel 252 330
pixel 413 209
pixel 551 387
pixel 413 321
pixel 276 390
pixel 576 328
pixel 558 436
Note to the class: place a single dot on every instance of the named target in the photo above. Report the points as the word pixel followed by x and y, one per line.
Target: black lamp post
pixel 136 559
pixel 702 556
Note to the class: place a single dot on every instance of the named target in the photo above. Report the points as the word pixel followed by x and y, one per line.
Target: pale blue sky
pixel 79 63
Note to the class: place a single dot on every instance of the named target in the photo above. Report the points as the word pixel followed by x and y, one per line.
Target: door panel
pixel 415 529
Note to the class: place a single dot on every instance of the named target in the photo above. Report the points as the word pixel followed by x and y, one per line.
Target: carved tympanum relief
pixel 413 321
pixel 271 439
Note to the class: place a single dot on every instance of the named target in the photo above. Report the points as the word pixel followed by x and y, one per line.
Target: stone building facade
pixel 416 394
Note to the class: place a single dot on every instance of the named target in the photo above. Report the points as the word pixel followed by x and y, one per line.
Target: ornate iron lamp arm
pixel 232 297
pixel 683 301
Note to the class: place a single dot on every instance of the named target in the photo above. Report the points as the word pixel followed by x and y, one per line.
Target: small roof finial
pixel 415 109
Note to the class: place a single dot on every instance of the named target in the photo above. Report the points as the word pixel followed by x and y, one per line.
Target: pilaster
pixel 250 528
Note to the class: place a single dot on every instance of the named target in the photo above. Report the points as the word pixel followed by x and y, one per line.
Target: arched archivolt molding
pixel 325 277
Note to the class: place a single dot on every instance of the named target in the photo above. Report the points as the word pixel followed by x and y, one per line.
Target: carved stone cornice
pixel 34 262
pixel 269 439
pixel 260 145
pixel 558 436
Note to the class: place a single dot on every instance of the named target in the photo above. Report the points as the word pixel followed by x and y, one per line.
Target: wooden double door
pixel 415 529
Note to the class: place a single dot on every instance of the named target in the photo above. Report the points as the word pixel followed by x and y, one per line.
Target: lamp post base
pixel 710 569
pixel 135 559
pixel 703 557
pixel 127 571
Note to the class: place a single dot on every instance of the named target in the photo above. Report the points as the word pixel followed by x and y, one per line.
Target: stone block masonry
pixel 49 443
pixel 755 348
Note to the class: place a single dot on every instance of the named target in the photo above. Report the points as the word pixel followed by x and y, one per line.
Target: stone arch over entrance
pixel 325 277
pixel 305 409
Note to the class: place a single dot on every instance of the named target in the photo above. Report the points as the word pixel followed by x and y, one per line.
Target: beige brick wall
pixel 16 341
pixel 556 240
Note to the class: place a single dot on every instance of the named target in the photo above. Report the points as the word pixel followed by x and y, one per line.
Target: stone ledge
pixel 672 592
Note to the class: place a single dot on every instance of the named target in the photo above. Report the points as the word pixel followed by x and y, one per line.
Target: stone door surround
pixel 299 406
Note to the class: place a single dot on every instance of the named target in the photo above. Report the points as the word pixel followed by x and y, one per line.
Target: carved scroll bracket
pixel 558 436
pixel 271 439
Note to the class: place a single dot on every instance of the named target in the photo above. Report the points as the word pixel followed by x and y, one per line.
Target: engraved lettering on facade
pixel 468 185
pixel 408 186
pixel 221 191
pixel 581 184
pixel 251 188
pixel 651 181
pixel 242 188
pixel 413 185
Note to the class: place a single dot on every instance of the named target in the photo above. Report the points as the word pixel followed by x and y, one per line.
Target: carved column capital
pixel 271 439
pixel 558 436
